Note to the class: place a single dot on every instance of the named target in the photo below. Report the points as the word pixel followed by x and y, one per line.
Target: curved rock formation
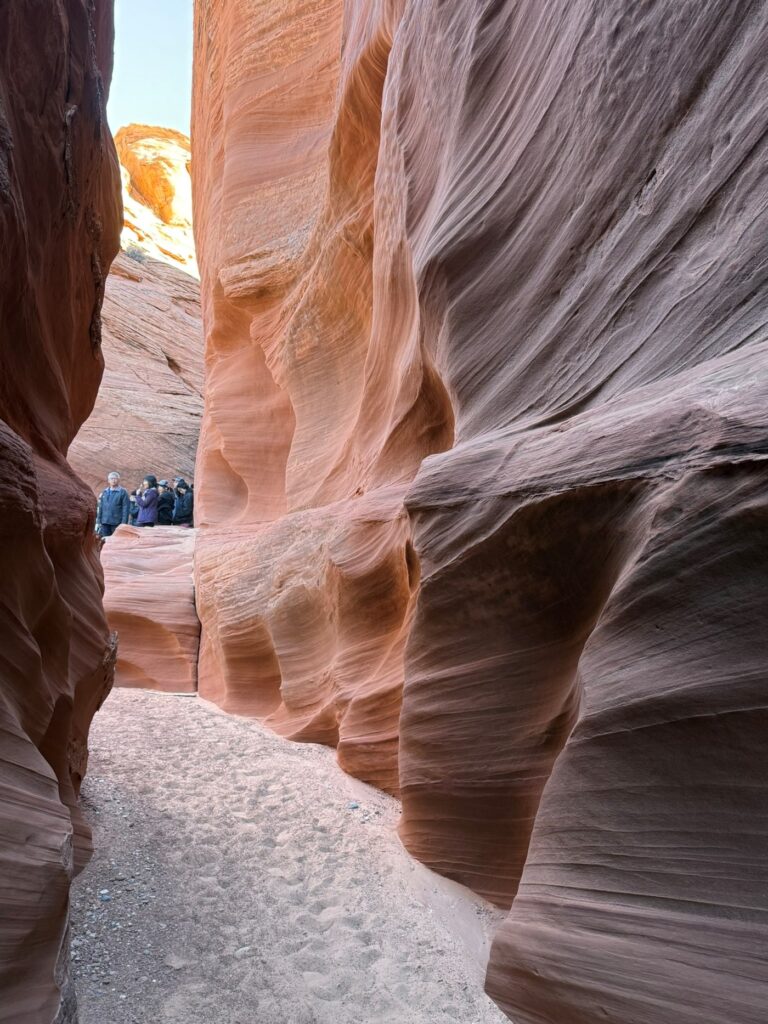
pixel 304 621
pixel 59 224
pixel 304 625
pixel 157 194
pixel 148 412
pixel 149 599
pixel 533 235
pixel 591 547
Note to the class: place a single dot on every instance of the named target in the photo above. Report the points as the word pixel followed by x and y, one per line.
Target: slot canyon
pixel 468 361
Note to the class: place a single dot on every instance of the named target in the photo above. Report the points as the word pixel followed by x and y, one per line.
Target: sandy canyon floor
pixel 241 879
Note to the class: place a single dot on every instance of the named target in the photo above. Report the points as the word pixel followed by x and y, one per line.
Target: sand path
pixel 240 879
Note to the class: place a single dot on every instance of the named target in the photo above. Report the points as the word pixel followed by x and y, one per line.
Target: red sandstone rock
pixel 591 548
pixel 304 621
pixel 150 602
pixel 157 194
pixel 147 416
pixel 59 224
pixel 304 625
pixel 534 233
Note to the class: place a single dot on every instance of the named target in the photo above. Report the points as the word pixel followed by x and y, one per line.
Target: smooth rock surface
pixel 516 251
pixel 304 625
pixel 59 228
pixel 149 599
pixel 591 245
pixel 311 400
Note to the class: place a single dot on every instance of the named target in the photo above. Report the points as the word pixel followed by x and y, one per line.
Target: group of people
pixel 154 503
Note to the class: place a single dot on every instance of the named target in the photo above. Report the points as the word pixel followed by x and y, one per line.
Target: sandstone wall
pixel 531 238
pixel 149 599
pixel 147 416
pixel 148 413
pixel 157 194
pixel 304 620
pixel 593 546
pixel 59 224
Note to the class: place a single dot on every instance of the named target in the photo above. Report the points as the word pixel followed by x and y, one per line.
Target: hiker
pixel 183 508
pixel 113 507
pixel 146 499
pixel 165 502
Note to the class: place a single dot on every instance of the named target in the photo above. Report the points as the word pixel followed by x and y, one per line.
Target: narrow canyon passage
pixel 239 879
pixel 401 386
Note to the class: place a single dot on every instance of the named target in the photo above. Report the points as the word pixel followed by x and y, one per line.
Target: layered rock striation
pixel 148 412
pixel 149 599
pixel 482 479
pixel 59 224
pixel 305 573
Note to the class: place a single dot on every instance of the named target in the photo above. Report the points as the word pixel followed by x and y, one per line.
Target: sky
pixel 152 80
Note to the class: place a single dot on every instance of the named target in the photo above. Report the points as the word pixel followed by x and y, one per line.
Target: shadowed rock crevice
pixel 524 601
pixel 59 222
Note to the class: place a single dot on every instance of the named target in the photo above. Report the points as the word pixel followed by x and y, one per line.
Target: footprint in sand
pixel 273 904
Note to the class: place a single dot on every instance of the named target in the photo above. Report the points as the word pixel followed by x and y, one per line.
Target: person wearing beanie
pixel 165 503
pixel 183 507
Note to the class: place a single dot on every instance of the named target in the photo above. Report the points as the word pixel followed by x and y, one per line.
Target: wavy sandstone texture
pixel 149 599
pixel 59 224
pixel 565 294
pixel 148 413
pixel 305 587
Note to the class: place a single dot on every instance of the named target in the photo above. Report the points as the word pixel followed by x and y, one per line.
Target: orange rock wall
pixel 149 599
pixel 59 224
pixel 157 194
pixel 484 290
pixel 147 415
pixel 305 588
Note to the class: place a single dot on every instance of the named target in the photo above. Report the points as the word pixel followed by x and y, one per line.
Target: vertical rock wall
pixel 531 238
pixel 593 547
pixel 150 404
pixel 59 225
pixel 305 574
pixel 147 415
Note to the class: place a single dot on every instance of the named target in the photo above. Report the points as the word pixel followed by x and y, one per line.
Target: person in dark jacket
pixel 146 499
pixel 165 502
pixel 183 507
pixel 134 509
pixel 113 507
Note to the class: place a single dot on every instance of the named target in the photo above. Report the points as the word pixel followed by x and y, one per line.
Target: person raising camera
pixel 146 499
